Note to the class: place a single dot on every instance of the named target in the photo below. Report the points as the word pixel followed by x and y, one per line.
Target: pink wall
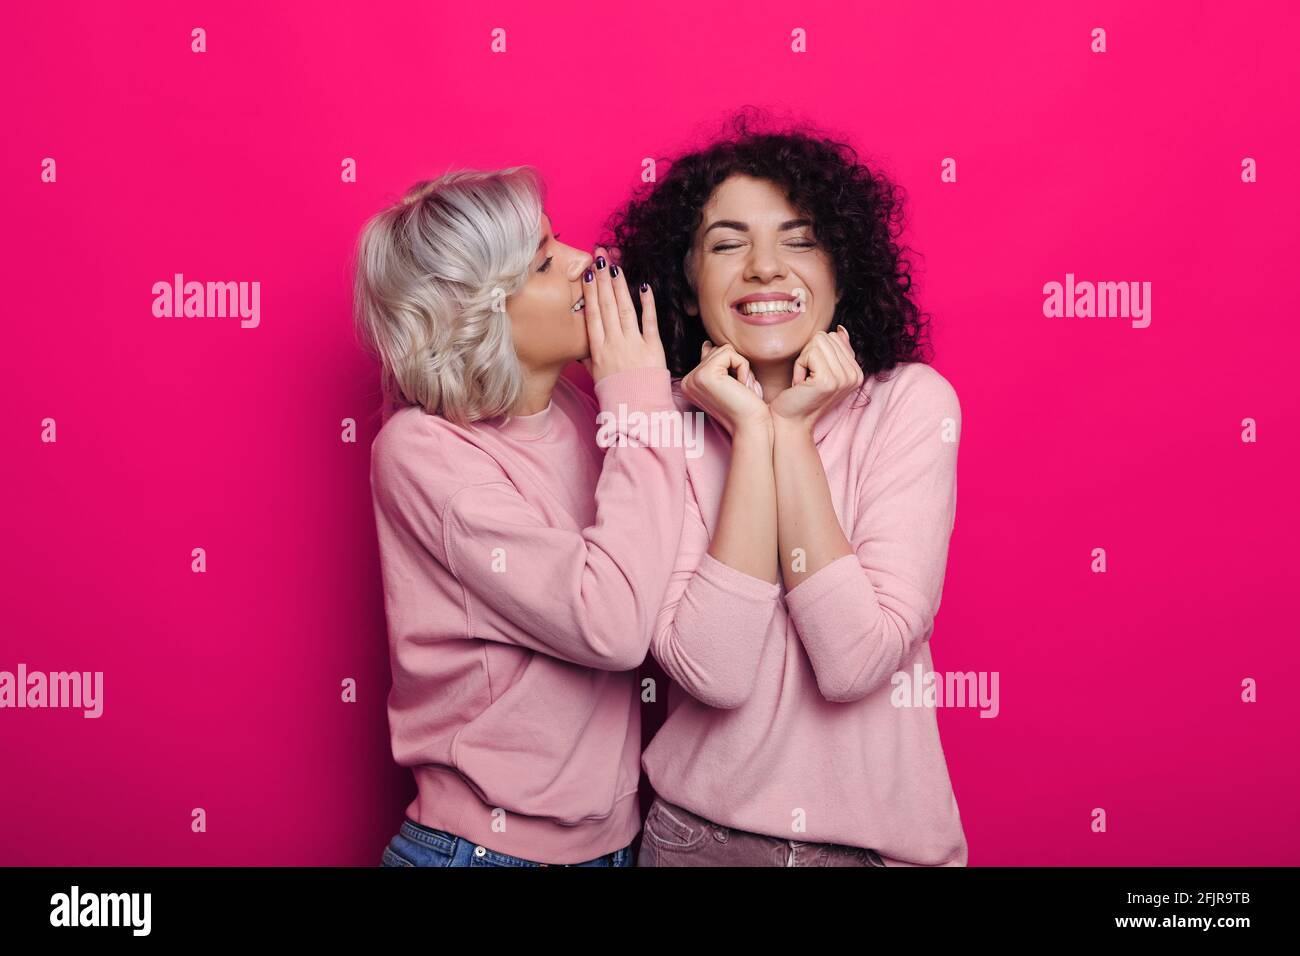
pixel 1119 690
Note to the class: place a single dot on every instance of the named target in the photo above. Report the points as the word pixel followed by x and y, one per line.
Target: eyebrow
pixel 744 227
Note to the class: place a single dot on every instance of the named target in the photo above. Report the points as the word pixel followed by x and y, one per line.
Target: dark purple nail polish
pixel 600 262
pixel 644 287
pixel 588 276
pixel 613 272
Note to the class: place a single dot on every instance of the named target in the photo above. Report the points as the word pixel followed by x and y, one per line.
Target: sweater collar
pixel 528 427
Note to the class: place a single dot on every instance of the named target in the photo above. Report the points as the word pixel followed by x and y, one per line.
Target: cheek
pixel 826 284
pixel 719 323
pixel 712 292
pixel 724 276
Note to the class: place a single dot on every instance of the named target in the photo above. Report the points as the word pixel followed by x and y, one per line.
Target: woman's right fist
pixel 735 401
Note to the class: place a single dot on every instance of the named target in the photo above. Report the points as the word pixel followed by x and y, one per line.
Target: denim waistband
pixel 445 842
pixel 729 831
pixel 438 839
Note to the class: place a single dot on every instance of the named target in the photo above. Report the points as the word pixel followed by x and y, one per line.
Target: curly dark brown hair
pixel 857 216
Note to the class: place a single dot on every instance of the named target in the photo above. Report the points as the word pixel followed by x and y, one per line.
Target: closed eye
pixel 793 243
pixel 547 264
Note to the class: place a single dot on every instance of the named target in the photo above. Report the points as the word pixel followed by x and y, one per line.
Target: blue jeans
pixel 418 845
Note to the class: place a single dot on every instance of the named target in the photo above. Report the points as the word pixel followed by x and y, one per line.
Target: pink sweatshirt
pixel 780 710
pixel 523 568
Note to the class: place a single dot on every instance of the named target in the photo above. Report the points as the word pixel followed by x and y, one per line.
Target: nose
pixel 578 263
pixel 764 265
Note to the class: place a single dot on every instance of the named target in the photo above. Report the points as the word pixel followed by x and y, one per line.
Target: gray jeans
pixel 674 836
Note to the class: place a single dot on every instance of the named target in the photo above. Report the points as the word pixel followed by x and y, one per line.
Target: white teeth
pixel 580 304
pixel 754 308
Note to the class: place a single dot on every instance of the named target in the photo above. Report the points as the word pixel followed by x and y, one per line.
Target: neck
pixel 536 394
pixel 774 377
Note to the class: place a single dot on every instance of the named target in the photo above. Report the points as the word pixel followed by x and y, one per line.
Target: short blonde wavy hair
pixel 432 275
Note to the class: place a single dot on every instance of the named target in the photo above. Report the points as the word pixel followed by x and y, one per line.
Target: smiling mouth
pixel 764 308
pixel 768 311
pixel 580 304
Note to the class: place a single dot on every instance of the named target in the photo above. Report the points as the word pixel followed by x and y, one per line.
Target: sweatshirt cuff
pixel 636 388
pixel 822 582
pixel 733 581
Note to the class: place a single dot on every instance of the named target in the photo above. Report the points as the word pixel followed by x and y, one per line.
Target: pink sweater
pixel 780 708
pixel 523 568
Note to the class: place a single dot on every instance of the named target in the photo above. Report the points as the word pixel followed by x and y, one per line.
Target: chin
pixel 771 343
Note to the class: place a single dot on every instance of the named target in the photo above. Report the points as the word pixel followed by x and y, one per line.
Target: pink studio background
pixel 222 690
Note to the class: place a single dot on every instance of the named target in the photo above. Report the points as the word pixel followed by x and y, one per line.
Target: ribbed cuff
pixel 821 582
pixel 636 389
pixel 733 581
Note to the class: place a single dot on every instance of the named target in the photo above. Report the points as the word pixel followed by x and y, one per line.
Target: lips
pixel 767 308
pixel 580 304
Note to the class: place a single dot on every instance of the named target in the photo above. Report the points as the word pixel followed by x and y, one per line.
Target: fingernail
pixel 600 262
pixel 613 272
pixel 644 287
pixel 588 276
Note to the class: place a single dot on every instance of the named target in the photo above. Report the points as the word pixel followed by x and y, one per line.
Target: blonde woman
pixel 523 563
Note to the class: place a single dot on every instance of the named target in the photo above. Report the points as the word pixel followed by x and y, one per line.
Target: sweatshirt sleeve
pixel 587 596
pixel 861 617
pixel 714 621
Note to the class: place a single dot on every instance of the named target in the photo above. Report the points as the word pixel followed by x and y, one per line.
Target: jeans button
pixel 480 850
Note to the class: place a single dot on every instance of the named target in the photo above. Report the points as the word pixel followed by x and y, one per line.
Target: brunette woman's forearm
pixel 808 530
pixel 746 536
